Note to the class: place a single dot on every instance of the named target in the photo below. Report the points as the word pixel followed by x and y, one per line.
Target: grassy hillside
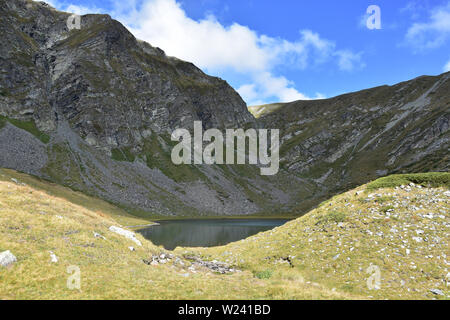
pixel 37 218
pixel 387 226
pixel 323 255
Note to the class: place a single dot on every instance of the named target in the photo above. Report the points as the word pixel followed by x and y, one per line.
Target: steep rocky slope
pixel 351 139
pixel 99 107
pixel 93 109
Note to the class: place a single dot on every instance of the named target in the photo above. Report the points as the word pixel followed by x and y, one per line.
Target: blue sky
pixel 273 51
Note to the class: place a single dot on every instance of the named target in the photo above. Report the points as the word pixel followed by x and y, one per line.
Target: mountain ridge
pixel 93 109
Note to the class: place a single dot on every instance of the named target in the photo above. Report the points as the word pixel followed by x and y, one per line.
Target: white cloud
pixel 414 9
pixel 234 48
pixel 266 85
pixel 433 33
pixel 447 66
pixel 215 47
pixel 348 60
pixel 72 8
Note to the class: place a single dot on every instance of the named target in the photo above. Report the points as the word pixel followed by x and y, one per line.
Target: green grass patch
pixel 266 274
pixel 430 179
pixel 384 199
pixel 158 155
pixel 123 154
pixel 29 126
pixel 387 208
pixel 335 216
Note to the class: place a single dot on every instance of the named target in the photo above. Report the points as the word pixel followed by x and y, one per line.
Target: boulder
pixel 127 234
pixel 7 258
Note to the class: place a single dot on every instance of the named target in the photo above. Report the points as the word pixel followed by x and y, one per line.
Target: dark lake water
pixel 206 233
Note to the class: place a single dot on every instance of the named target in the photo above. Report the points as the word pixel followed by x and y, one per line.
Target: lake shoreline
pixel 206 232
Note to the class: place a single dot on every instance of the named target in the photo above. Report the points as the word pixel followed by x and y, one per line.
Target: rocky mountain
pixel 93 108
pixel 357 137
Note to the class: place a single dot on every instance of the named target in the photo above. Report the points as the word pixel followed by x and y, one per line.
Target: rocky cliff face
pixel 112 89
pixel 354 138
pixel 94 108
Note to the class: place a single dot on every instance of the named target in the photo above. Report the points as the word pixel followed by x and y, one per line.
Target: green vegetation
pixel 123 154
pixel 431 179
pixel 266 274
pixel 77 37
pixel 387 208
pixel 62 166
pixel 158 156
pixel 331 217
pixel 29 126
pixel 186 83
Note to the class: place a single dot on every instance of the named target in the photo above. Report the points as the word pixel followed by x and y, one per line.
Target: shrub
pixel 386 209
pixel 29 126
pixel 266 274
pixel 335 216
pixel 430 179
pixel 122 155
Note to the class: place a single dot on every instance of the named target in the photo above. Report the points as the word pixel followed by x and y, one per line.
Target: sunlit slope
pixel 38 219
pixel 259 111
pixel 387 228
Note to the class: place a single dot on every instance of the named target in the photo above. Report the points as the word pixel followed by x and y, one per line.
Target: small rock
pixel 127 234
pixel 98 235
pixel 53 257
pixel 7 258
pixel 437 292
pixel 132 248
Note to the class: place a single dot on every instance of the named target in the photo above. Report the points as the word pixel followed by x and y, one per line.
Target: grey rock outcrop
pixel 7 258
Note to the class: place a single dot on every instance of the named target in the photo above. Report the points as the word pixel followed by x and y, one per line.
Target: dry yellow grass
pixel 345 242
pixel 33 222
pixel 323 255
